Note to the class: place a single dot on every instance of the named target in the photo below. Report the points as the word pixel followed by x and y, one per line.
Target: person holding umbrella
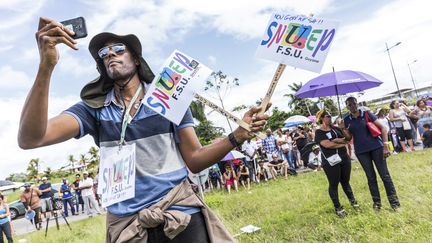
pixel 333 144
pixel 370 150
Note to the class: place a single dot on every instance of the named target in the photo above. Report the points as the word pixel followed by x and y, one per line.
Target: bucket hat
pixel 94 93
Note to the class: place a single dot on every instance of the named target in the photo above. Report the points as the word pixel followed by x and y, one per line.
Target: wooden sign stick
pixel 272 87
pixel 227 114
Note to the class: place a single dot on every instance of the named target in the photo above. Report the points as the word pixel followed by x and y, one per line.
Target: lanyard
pixel 127 118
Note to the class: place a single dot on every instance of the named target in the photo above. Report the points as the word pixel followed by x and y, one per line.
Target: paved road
pixel 23 226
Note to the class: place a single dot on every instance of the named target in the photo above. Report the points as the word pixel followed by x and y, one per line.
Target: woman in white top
pixel 398 115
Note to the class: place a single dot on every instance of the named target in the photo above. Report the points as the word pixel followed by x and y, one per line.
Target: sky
pixel 223 35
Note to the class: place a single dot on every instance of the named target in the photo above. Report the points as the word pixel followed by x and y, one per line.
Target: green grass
pixel 299 209
pixel 84 231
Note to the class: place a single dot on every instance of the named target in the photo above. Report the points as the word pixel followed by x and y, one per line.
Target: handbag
pixel 373 129
pixel 334 159
pixel 406 125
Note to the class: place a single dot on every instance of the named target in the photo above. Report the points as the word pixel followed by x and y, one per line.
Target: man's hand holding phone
pixel 49 34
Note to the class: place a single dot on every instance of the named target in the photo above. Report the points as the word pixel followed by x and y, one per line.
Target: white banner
pixel 173 88
pixel 296 40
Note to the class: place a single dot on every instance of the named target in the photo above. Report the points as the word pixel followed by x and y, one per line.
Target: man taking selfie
pixel 164 207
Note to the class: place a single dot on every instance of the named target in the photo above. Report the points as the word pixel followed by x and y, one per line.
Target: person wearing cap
pixel 161 167
pixel 46 201
pixel 332 142
pixel 370 151
pixel 65 189
pixel 30 198
pixel 315 158
pixel 164 151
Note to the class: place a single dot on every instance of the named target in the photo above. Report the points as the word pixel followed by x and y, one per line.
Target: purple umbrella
pixel 233 155
pixel 337 83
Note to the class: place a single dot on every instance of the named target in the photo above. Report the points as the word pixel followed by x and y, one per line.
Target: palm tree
pixel 83 160
pixel 33 169
pixel 72 161
pixel 297 103
pixel 94 156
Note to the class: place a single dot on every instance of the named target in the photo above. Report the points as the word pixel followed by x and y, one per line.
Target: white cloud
pixel 361 46
pixel 12 79
pixel 14 159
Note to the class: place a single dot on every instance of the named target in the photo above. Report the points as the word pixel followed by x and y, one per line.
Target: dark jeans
pixel 6 229
pixel 378 159
pixel 37 219
pixel 339 173
pixel 196 232
pixel 65 208
pixel 251 167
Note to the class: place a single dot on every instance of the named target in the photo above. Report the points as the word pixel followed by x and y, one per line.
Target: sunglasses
pixel 117 48
pixel 327 116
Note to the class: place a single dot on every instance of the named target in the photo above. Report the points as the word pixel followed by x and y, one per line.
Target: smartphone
pixel 77 25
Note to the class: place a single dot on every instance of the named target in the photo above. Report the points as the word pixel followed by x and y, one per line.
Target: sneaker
pixel 355 205
pixel 341 212
pixel 377 206
pixel 396 208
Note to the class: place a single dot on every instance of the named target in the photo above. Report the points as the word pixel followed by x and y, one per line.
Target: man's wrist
pixel 233 140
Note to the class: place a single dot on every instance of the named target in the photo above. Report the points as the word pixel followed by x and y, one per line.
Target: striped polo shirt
pixel 159 164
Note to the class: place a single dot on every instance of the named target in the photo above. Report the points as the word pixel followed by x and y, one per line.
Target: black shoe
pixel 377 206
pixel 341 212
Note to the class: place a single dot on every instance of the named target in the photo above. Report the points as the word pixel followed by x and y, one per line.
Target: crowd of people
pixel 330 145
pixel 39 201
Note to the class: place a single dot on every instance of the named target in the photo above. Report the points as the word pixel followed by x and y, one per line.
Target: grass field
pixel 299 209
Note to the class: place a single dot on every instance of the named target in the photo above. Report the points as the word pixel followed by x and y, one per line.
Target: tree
pixel 277 119
pixel 197 110
pixel 83 160
pixel 298 105
pixel 47 172
pixel 206 132
pixel 72 161
pixel 33 169
pixel 222 85
pixel 94 157
pixel 17 177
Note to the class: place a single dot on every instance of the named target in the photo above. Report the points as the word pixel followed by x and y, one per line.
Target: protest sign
pixel 296 40
pixel 173 88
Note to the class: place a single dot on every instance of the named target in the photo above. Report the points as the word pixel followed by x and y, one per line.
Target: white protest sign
pixel 296 40
pixel 173 88
pixel 117 174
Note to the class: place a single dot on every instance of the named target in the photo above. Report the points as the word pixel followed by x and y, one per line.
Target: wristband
pixel 387 143
pixel 233 141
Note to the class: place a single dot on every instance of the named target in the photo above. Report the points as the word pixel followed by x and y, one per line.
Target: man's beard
pixel 116 75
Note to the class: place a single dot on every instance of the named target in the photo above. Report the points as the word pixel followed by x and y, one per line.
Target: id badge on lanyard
pixel 117 169
pixel 117 174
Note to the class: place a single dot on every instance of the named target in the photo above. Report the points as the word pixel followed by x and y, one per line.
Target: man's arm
pixel 46 190
pixel 198 158
pixel 35 130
